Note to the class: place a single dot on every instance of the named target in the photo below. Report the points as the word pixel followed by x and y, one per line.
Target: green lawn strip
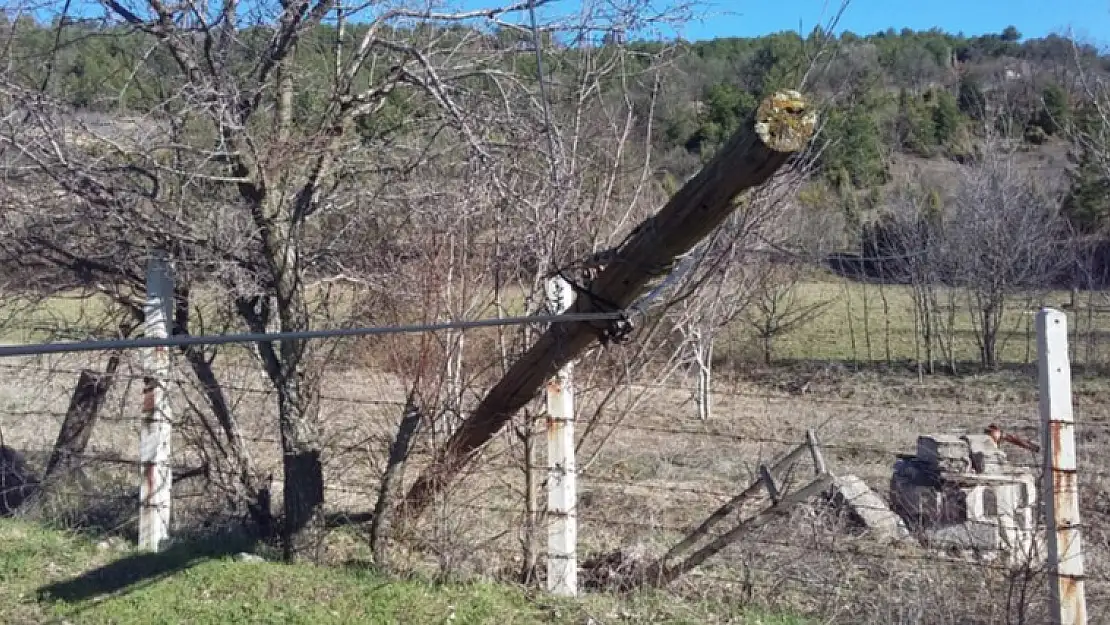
pixel 49 576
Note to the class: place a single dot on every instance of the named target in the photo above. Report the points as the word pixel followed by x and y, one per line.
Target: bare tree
pixel 777 306
pixel 1002 235
pixel 259 173
pixel 907 242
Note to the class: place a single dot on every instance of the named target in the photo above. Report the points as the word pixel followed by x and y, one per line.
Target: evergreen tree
pixel 916 127
pixel 1087 205
pixel 854 146
pixel 970 98
pixel 1054 112
pixel 947 119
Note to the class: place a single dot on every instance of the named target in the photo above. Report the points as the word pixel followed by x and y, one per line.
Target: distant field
pixel 857 325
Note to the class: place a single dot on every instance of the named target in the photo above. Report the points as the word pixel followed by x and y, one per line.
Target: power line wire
pixel 40 349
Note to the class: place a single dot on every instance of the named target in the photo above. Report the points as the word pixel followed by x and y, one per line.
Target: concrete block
pixel 971 535
pixel 986 457
pixel 867 507
pixel 981 503
pixel 962 493
pixel 954 506
pixel 947 453
pixel 1027 492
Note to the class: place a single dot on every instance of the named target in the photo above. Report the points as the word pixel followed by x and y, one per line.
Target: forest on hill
pixel 916 126
pixel 889 97
pixel 918 93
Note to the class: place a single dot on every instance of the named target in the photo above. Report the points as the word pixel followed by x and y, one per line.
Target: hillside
pixel 898 104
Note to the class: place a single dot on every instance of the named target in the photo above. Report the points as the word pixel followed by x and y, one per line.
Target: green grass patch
pixel 859 323
pixel 49 576
pixel 867 323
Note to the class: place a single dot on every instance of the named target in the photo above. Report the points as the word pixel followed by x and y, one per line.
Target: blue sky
pixel 1087 19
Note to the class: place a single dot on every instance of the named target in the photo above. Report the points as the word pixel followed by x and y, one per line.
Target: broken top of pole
pixel 784 122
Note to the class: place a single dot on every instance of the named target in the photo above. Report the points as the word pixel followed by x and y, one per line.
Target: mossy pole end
pixel 785 122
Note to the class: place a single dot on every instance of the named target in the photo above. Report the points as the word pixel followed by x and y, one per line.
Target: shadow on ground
pixel 141 569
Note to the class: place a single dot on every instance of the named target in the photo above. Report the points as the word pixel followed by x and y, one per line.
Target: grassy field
pixel 49 576
pixel 857 323
pixel 868 322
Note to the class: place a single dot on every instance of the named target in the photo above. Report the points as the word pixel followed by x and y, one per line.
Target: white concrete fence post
pixel 155 429
pixel 562 533
pixel 1060 483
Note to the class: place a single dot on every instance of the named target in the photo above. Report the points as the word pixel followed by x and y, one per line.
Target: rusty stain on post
pixel 1065 547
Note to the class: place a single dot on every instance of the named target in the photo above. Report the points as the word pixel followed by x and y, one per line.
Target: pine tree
pixel 1055 111
pixel 970 98
pixel 1087 205
pixel 947 119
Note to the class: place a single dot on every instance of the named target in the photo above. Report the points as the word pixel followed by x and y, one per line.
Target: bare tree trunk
pixel 303 502
pixel 925 307
pixel 704 360
pixel 1092 331
pixel 867 326
pixel 987 308
pixel 303 525
pixel 398 454
pixel 886 318
pixel 251 489
pixel 782 126
pixel 1029 338
pixel 917 331
pixel 531 503
pixel 455 344
pixel 81 416
pixel 851 324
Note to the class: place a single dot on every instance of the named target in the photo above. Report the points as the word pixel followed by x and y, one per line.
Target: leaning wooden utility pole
pixel 782 126
pixel 1061 492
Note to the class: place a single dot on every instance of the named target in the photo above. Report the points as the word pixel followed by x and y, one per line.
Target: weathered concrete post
pixel 562 496
pixel 155 429
pixel 1061 492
